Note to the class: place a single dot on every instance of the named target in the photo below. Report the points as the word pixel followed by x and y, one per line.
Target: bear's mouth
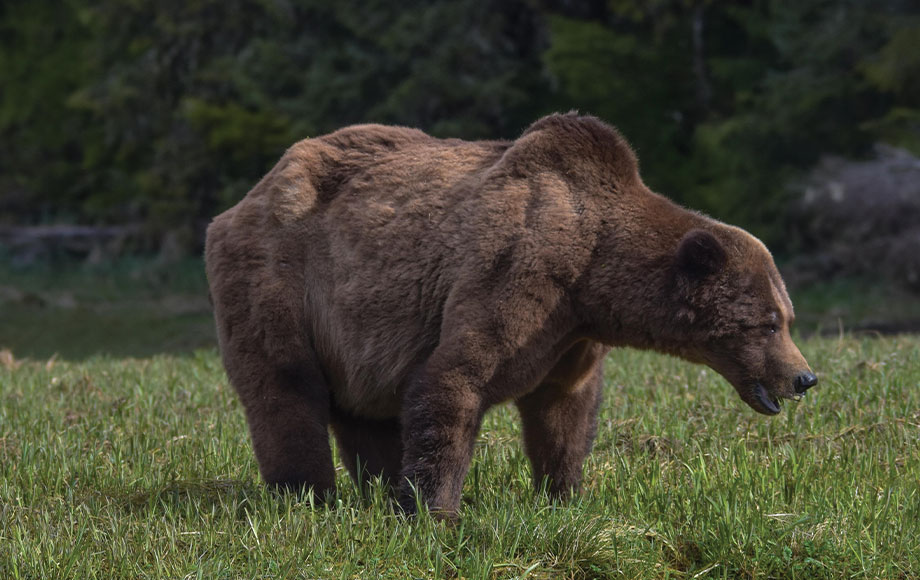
pixel 769 405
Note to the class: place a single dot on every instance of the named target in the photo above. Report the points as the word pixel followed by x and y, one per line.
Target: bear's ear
pixel 700 254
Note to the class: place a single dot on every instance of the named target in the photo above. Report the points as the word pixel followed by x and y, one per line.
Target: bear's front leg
pixel 441 418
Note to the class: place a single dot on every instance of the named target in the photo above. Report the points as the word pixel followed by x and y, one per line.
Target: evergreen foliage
pixel 164 113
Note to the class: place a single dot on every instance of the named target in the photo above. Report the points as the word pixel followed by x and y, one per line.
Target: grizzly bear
pixel 393 287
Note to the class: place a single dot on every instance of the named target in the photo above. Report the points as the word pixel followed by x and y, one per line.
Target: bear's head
pixel 734 304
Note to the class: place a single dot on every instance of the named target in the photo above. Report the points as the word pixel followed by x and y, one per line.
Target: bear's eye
pixel 773 329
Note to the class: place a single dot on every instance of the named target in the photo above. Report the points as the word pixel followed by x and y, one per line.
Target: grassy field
pixel 141 468
pixel 124 454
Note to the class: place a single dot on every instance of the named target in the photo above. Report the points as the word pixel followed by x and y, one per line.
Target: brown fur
pixel 395 286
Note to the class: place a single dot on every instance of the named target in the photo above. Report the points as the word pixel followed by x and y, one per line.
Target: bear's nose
pixel 805 381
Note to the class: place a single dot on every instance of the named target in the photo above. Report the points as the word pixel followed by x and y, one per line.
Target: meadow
pixel 141 468
pixel 124 454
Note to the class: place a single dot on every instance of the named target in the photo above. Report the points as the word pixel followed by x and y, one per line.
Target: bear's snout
pixel 805 381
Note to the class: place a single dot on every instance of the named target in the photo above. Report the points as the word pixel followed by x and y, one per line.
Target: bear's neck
pixel 630 296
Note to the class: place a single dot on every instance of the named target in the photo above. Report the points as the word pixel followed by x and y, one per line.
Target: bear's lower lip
pixel 769 404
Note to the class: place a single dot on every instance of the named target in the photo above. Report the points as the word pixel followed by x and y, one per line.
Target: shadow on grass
pixel 204 494
pixel 234 496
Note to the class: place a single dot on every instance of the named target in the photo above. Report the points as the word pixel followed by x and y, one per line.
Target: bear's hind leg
pixel 559 424
pixel 369 447
pixel 288 415
pixel 256 285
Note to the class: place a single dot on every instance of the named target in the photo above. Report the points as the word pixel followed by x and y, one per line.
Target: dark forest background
pixel 159 114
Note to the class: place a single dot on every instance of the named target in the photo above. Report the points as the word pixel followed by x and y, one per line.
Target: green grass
pixel 141 468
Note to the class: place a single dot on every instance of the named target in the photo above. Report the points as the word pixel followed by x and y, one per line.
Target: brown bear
pixel 394 287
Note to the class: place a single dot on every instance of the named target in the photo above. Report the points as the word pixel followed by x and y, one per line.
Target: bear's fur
pixel 393 287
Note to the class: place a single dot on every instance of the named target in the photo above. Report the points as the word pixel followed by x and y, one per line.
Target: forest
pixel 161 114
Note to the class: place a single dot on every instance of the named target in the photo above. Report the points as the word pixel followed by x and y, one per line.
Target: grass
pixel 124 454
pixel 141 468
